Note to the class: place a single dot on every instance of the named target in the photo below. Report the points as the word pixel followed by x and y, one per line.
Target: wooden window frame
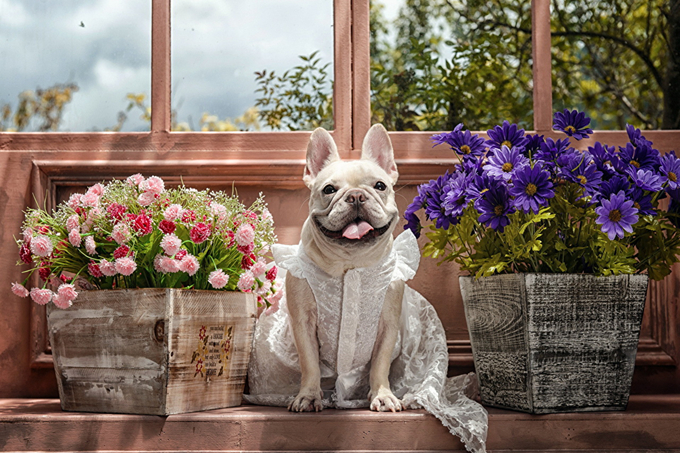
pixel 259 157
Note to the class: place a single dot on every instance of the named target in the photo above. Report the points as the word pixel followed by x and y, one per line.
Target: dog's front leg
pixel 303 314
pixel 381 397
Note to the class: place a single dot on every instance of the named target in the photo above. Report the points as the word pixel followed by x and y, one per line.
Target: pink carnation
pixel 189 264
pixel 142 225
pixel 146 198
pixel 229 238
pixel 188 216
pixel 171 244
pixel 259 268
pixel 25 254
pixel 90 245
pixel 173 212
pixel 125 265
pixel 264 288
pixel 271 273
pixel 67 291
pixel 165 264
pixel 97 189
pixel 74 238
pixel 246 282
pixel 218 279
pixel 135 179
pixel 41 245
pixel 116 211
pixel 90 200
pixel 107 268
pixel 245 235
pixel 74 200
pixel 218 211
pixel 62 302
pixel 41 296
pixel 121 233
pixel 19 290
pixel 166 226
pixel 121 251
pixel 73 222
pixel 154 184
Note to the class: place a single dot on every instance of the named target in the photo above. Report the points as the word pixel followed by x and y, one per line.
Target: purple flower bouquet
pixel 526 203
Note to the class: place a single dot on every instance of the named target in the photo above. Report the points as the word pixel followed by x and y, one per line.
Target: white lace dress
pixel 348 312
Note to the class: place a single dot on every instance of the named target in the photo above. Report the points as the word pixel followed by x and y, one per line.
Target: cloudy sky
pixel 104 47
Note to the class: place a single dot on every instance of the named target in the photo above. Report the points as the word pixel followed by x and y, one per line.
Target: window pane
pixel 75 65
pixel 610 59
pixel 437 63
pixel 252 65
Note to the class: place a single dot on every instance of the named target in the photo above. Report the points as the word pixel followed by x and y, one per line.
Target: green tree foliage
pixel 39 110
pixel 299 99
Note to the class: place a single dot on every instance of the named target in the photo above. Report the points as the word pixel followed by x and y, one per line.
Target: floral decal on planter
pixel 213 351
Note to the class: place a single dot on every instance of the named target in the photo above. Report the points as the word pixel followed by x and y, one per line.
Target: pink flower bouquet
pixel 138 234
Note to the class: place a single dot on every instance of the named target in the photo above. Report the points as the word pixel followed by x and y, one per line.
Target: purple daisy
pixel 573 123
pixel 616 215
pixel 636 138
pixel 636 157
pixel 494 205
pixel 602 156
pixel 433 207
pixel 642 202
pixel 506 135
pixel 531 188
pixel 412 223
pixel 616 184
pixel 533 144
pixel 551 150
pixel 462 142
pixel 647 180
pixel 504 162
pixel 585 173
pixel 670 168
pixel 456 197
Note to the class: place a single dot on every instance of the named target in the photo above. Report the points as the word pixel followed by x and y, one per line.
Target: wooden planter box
pixel 545 343
pixel 152 351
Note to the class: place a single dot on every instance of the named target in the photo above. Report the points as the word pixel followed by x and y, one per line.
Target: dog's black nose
pixel 355 197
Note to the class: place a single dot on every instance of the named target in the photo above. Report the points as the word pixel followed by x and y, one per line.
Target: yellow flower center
pixel 465 149
pixel 583 179
pixel 530 189
pixel 615 215
pixel 507 167
pixel 635 163
pixel 672 176
pixel 637 205
pixel 498 210
pixel 507 143
pixel 570 129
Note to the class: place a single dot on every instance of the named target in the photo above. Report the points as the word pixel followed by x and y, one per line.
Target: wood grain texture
pixel 545 343
pixel 152 351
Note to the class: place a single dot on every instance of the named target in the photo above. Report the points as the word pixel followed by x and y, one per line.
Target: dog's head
pixel 352 211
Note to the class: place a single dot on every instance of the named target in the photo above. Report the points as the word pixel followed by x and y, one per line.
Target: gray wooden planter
pixel 152 351
pixel 545 343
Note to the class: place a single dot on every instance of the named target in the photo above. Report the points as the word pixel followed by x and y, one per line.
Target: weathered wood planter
pixel 152 351
pixel 545 343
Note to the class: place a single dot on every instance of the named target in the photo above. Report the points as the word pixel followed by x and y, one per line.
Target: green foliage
pixel 298 99
pixel 39 110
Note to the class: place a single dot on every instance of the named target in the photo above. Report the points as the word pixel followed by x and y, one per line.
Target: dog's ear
pixel 378 148
pixel 321 151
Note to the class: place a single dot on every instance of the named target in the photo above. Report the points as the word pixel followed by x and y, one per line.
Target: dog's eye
pixel 380 186
pixel 328 190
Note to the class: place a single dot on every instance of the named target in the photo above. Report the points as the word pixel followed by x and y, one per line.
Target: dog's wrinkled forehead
pixel 351 174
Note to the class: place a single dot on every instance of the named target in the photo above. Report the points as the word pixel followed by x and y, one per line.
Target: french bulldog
pixel 352 214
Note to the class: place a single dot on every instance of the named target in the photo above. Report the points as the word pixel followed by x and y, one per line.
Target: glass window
pixel 437 63
pixel 252 65
pixel 610 59
pixel 74 65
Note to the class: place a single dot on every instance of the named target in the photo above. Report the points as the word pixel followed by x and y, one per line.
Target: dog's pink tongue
pixel 356 230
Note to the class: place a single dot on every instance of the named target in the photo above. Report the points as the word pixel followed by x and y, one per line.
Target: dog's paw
pixel 307 402
pixel 385 401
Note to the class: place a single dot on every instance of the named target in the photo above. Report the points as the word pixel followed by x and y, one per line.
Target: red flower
pixel 121 252
pixel 247 261
pixel 25 254
pixel 181 254
pixel 43 229
pixel 271 273
pixel 44 273
pixel 142 225
pixel 167 226
pixel 188 216
pixel 200 233
pixel 246 249
pixel 229 238
pixel 116 211
pixel 250 215
pixel 94 270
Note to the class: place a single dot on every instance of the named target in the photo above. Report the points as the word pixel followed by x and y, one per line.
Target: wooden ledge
pixel 652 422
